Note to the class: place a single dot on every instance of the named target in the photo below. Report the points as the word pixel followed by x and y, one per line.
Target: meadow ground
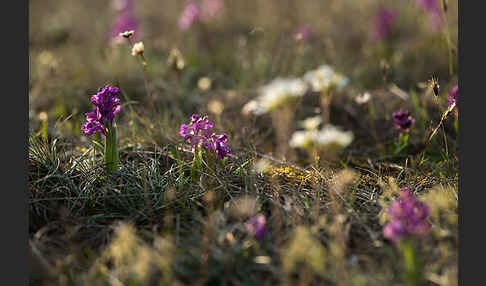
pixel 295 202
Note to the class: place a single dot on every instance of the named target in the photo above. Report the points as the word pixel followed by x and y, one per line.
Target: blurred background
pixel 238 45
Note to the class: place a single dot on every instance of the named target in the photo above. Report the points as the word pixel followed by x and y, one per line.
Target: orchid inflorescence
pixel 256 226
pixel 408 217
pixel 199 134
pixel 403 120
pixel 383 22
pixel 101 120
pixel 107 105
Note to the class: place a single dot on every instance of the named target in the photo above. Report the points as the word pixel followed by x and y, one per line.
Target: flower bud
pixel 138 49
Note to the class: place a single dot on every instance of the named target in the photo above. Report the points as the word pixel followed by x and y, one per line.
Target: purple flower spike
pixel 394 231
pixel 199 133
pixel 107 102
pixel 403 120
pixel 93 123
pixel 383 22
pixel 408 217
pixel 189 16
pixel 220 145
pixel 256 226
pixel 453 95
pixel 107 105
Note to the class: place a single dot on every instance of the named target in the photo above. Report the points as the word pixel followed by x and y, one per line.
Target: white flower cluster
pixel 279 92
pixel 304 139
pixel 282 91
pixel 329 137
pixel 311 123
pixel 324 77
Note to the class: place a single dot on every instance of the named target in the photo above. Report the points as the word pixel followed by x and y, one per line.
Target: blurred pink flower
pixel 302 33
pixel 256 226
pixel 427 5
pixel 125 19
pixel 211 8
pixel 435 21
pixel 382 23
pixel 189 16
pixel 431 7
pixel 408 217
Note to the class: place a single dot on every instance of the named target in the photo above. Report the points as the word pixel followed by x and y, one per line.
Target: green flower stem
pixel 111 149
pixel 196 165
pixel 211 161
pixel 401 143
pixel 412 264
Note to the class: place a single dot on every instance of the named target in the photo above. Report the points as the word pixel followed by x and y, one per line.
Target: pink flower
pixel 211 8
pixel 303 33
pixel 199 134
pixel 256 226
pixel 107 105
pixel 408 217
pixel 189 16
pixel 383 22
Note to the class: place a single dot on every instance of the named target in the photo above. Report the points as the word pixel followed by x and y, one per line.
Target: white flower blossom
pixel 311 123
pixel 252 107
pixel 324 77
pixel 279 92
pixel 303 139
pixel 329 137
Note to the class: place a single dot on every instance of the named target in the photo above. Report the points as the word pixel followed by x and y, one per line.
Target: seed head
pixel 127 34
pixel 444 5
pixel 434 85
pixel 43 116
pixel 138 49
pixel 176 60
